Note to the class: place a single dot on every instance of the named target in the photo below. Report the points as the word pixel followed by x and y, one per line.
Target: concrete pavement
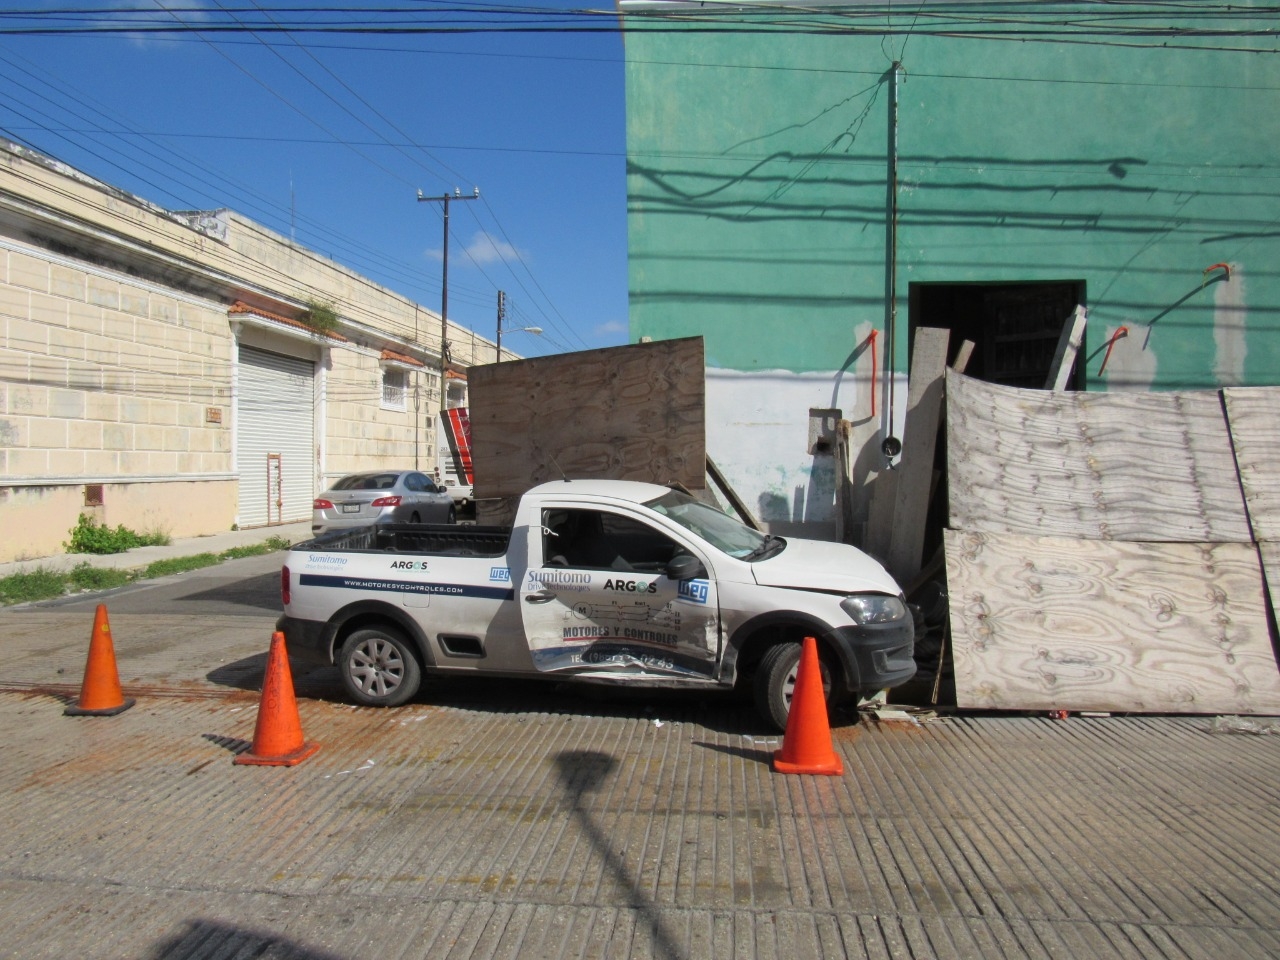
pixel 505 820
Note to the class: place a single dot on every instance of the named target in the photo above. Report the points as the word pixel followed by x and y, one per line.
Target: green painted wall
pixel 757 193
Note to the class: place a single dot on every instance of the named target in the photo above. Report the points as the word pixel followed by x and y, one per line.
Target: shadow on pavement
pixel 581 773
pixel 262 592
pixel 721 711
pixel 210 939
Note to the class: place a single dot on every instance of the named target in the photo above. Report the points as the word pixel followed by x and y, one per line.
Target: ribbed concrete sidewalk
pixel 184 547
pixel 513 820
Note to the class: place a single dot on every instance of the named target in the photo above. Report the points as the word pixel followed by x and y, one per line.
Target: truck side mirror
pixel 685 567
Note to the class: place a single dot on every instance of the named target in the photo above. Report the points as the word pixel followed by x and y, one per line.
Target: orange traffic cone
pixel 277 737
pixel 806 746
pixel 100 693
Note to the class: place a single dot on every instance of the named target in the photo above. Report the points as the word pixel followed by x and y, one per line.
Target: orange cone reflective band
pixel 100 694
pixel 277 737
pixel 806 746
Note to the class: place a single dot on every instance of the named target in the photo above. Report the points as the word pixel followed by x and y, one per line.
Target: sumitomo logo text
pixel 562 580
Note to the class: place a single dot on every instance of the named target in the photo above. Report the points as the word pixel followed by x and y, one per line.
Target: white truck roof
pixel 634 491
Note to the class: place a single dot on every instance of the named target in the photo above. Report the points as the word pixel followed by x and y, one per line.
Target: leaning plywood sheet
pixel 1105 466
pixel 1253 414
pixel 623 413
pixel 1048 623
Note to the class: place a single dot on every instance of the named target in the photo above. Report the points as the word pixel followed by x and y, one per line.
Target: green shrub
pixel 37 584
pixel 89 536
pixel 85 577
pixel 270 545
pixel 321 317
pixel 164 568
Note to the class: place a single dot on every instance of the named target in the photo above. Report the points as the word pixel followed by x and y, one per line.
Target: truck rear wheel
pixel 379 667
pixel 775 682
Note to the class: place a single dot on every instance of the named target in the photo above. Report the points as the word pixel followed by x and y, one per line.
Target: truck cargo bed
pixel 448 540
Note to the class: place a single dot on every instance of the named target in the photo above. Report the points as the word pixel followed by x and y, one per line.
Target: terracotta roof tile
pixel 401 358
pixel 240 308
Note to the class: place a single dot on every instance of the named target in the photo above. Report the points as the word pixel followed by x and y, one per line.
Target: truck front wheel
pixel 775 682
pixel 379 667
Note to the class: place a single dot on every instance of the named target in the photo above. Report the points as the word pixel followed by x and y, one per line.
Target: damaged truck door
pixel 614 596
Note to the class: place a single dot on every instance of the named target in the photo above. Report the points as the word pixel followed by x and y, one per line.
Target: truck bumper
pixel 881 654
pixel 307 640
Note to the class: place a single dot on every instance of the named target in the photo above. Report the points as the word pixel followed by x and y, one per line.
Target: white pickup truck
pixel 598 581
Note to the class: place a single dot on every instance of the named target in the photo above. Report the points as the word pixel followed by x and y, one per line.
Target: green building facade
pixel 807 185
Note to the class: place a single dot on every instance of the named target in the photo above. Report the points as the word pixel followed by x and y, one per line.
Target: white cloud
pixel 484 249
pixel 611 328
pixel 182 12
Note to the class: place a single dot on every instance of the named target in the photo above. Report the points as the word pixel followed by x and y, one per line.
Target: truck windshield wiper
pixel 766 547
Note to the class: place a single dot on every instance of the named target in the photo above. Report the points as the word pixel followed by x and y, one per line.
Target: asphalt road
pixel 235 588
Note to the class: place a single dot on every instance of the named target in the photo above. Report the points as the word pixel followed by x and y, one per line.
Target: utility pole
pixel 444 283
pixel 502 315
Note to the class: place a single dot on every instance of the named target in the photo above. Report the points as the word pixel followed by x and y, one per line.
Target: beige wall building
pixel 169 371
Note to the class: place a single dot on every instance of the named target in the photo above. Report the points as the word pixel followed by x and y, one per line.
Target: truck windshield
pixel 720 530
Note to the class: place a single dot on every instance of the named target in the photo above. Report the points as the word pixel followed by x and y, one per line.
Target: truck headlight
pixel 874 608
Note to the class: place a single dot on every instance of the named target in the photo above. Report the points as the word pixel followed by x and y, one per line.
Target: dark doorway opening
pixel 1015 327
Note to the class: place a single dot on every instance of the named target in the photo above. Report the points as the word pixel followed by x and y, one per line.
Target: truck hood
pixel 819 565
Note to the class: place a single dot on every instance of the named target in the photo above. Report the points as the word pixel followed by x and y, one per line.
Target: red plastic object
pixel 806 746
pixel 277 736
pixel 100 693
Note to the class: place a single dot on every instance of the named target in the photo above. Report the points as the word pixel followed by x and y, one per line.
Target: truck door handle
pixel 542 596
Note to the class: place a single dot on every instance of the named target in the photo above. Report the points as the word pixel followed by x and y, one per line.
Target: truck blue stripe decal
pixel 407 586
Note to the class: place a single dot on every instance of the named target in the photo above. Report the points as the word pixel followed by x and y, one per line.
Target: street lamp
pixel 502 315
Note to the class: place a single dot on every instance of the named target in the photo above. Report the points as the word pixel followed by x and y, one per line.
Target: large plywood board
pixel 1049 623
pixel 1253 414
pixel 1106 466
pixel 623 413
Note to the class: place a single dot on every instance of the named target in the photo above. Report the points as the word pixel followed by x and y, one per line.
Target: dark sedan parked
pixel 381 496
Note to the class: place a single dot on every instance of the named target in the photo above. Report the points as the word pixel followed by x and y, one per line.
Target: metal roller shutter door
pixel 275 438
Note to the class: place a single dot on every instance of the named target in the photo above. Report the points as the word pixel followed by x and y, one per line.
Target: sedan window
pixel 367 481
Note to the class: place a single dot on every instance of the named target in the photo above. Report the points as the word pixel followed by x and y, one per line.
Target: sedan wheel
pixel 379 667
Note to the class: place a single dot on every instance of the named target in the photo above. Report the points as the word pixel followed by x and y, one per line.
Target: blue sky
pixel 328 138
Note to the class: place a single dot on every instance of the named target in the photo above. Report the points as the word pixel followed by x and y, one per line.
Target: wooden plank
pixel 1252 415
pixel 919 441
pixel 627 413
pixel 1064 359
pixel 1048 623
pixel 961 362
pixel 847 528
pixel 883 498
pixel 1108 466
pixel 731 495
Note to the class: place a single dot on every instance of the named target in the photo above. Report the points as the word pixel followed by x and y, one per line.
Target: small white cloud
pixel 484 249
pixel 182 12
pixel 611 327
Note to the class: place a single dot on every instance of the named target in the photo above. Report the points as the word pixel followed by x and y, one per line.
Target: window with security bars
pixel 394 388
